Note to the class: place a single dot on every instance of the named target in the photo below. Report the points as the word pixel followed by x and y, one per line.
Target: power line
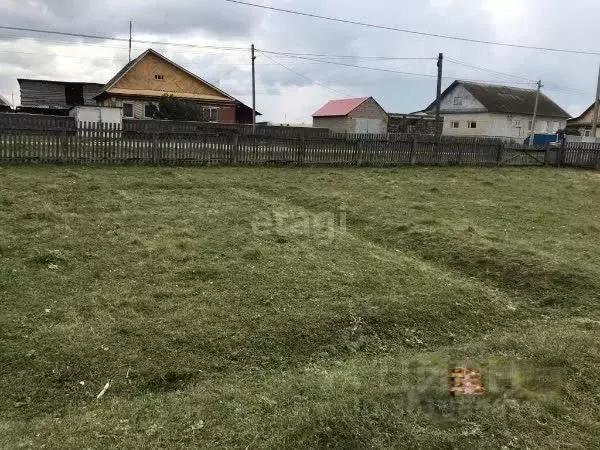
pixel 302 75
pixel 384 58
pixel 176 44
pixel 419 33
pixel 548 87
pixel 109 38
pixel 398 72
pixel 483 69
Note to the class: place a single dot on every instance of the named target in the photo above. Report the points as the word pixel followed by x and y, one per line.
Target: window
pixel 458 101
pixel 128 110
pixel 455 124
pixel 159 77
pixel 517 123
pixel 210 114
pixel 587 133
pixel 149 109
pixel 472 125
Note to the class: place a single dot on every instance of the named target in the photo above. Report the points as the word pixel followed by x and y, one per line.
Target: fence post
pixel 546 155
pixel 155 149
pixel 597 158
pixel 413 151
pixel 561 154
pixel 301 151
pixel 499 154
pixel 234 149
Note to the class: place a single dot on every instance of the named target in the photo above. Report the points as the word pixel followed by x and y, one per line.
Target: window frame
pixel 132 110
pixel 458 101
pixel 145 113
pixel 159 77
pixel 211 109
pixel 472 124
pixel 455 124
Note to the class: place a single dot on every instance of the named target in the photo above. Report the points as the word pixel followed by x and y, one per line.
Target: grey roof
pixel 508 100
pixel 583 114
pixel 52 94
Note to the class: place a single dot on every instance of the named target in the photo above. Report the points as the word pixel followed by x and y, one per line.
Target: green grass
pixel 212 335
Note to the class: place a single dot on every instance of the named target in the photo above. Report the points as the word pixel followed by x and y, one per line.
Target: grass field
pixel 249 308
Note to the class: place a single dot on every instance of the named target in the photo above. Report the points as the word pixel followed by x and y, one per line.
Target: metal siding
pixel 89 92
pixel 42 94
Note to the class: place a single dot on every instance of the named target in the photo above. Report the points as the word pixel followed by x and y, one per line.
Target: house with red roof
pixel 352 115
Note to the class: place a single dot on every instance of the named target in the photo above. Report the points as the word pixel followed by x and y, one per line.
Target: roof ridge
pixel 477 83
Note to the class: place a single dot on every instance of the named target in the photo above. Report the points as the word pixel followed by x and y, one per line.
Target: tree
pixel 171 108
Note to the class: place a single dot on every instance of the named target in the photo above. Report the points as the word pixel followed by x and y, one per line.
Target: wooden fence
pixel 106 144
pixel 136 128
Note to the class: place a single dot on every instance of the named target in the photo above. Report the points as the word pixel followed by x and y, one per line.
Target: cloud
pixel 294 93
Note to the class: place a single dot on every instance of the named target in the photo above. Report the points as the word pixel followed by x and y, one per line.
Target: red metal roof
pixel 336 108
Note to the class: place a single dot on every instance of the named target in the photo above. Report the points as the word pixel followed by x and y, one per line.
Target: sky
pixel 289 89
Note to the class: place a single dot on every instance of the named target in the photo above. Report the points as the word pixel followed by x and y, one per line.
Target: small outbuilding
pixel 353 115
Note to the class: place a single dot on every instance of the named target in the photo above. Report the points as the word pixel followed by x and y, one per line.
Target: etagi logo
pixel 298 222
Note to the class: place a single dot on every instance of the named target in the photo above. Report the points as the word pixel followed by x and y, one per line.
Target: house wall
pixel 461 100
pixel 225 115
pixel 584 124
pixel 142 77
pixel 499 125
pixel 335 124
pixel 97 114
pixel 370 109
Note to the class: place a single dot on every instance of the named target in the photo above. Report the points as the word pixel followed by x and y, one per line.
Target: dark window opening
pixel 127 109
pixel 74 94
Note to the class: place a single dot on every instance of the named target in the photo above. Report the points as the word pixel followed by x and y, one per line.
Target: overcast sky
pixel 293 95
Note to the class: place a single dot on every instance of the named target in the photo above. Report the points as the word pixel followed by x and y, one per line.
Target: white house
pixel 477 109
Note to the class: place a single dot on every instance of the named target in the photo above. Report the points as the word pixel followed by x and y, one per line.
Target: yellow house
pixel 583 123
pixel 144 80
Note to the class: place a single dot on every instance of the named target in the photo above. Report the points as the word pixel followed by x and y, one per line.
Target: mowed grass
pixel 215 329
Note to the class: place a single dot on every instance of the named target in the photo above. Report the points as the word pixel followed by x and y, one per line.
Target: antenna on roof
pixel 130 37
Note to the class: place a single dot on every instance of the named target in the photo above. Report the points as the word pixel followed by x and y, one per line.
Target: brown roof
pixel 121 73
pixel 508 100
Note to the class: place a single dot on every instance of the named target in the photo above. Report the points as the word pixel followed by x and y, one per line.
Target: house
pixel 55 97
pixel 4 105
pixel 477 109
pixel 583 123
pixel 144 80
pixel 416 123
pixel 354 115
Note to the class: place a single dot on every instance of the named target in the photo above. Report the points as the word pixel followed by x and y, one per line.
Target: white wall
pixel 459 99
pixel 499 125
pixel 97 114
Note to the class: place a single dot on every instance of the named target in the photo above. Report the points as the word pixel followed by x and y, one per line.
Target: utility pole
pixel 253 92
pixel 130 38
pixel 438 103
pixel 596 109
pixel 535 111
